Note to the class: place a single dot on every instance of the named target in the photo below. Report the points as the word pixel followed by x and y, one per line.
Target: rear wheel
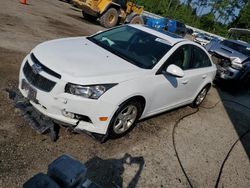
pixel 246 80
pixel 109 18
pixel 200 97
pixel 137 20
pixel 125 118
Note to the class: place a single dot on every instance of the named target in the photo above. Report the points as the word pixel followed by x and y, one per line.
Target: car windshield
pixel 237 47
pixel 136 46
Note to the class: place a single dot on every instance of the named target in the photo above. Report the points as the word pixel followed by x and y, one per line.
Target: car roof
pixel 239 42
pixel 170 37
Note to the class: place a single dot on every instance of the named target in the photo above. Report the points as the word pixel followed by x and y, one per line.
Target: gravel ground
pixel 202 140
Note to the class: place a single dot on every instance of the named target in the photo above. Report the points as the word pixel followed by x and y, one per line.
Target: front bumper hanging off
pixel 41 123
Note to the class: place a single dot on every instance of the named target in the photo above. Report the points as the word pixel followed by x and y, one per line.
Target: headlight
pixel 91 91
pixel 236 63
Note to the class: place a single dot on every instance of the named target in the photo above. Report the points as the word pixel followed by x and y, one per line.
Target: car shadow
pixel 234 88
pixel 108 172
pixel 235 98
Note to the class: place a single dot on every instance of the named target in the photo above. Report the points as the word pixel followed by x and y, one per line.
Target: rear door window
pixel 200 59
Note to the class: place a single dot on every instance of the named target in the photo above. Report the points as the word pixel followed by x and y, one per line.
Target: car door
pixel 171 91
pixel 198 71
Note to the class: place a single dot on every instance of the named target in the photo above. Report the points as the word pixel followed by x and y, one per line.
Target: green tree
pixel 243 20
pixel 191 12
pixel 207 22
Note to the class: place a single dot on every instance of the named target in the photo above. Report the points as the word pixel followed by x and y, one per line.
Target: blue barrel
pixel 159 23
pixel 172 26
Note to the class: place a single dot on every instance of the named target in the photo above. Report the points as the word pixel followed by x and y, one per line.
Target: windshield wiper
pixel 94 41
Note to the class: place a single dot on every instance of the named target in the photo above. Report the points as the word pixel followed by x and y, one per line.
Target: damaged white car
pixel 106 82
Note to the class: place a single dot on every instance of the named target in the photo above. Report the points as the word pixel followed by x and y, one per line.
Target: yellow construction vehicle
pixel 111 12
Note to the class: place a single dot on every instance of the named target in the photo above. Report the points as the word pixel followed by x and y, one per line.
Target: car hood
pixel 77 59
pixel 224 51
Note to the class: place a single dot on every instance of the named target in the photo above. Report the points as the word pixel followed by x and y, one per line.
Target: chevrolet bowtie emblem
pixel 36 68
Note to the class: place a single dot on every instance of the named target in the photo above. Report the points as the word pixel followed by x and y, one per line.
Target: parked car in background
pixel 195 33
pixel 232 58
pixel 202 39
pixel 215 39
pixel 106 82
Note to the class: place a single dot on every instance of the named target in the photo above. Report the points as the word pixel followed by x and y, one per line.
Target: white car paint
pixel 80 61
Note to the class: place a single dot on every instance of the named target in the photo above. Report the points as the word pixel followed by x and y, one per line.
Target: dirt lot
pixel 202 140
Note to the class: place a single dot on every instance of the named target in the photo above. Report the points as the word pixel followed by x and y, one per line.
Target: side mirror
pixel 175 71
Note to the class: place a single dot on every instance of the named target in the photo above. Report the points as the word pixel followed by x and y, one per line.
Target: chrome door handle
pixel 184 82
pixel 204 76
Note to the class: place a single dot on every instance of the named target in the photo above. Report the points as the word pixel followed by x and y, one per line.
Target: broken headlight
pixel 91 91
pixel 236 64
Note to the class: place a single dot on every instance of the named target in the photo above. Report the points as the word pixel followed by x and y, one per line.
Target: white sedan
pixel 106 82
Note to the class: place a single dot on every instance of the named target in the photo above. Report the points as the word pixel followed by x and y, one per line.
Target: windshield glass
pixel 237 47
pixel 137 47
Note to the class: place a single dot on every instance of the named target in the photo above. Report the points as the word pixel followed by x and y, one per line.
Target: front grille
pixel 37 80
pixel 221 61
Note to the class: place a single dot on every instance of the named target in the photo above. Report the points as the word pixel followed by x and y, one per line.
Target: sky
pixel 207 10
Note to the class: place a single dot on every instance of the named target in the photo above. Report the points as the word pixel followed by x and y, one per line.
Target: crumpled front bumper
pixel 228 73
pixel 54 104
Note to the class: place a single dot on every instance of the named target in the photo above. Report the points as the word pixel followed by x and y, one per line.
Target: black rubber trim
pixel 44 68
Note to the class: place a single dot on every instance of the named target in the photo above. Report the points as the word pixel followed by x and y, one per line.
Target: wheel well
pixel 139 98
pixel 208 86
pixel 117 7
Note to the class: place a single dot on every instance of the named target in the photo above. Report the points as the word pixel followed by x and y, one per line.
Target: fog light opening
pixel 83 118
pixel 68 114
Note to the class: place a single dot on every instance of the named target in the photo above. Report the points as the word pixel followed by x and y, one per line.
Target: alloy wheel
pixel 201 96
pixel 125 119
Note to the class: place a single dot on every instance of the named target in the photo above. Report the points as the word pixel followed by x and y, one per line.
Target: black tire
pixel 112 130
pixel 88 17
pixel 197 101
pixel 137 20
pixel 54 132
pixel 246 80
pixel 109 18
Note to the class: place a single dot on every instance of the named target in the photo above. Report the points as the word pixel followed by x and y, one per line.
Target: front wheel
pixel 109 18
pixel 125 119
pixel 246 80
pixel 200 97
